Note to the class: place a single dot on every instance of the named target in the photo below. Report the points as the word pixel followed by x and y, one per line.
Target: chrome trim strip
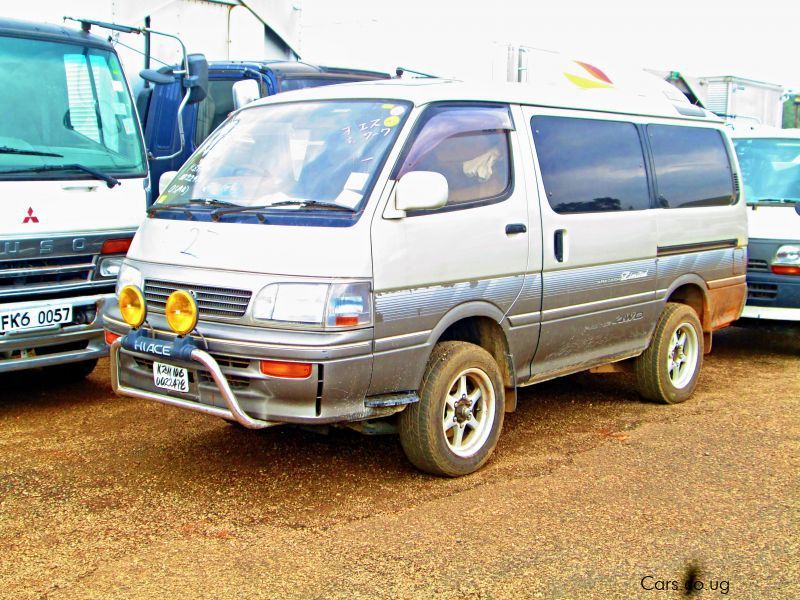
pixel 525 319
pixel 233 413
pixel 396 342
pixel 697 247
pixel 726 281
pixel 7 273
pixel 367 345
pixel 555 314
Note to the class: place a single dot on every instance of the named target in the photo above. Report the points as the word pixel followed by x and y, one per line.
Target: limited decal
pixel 625 276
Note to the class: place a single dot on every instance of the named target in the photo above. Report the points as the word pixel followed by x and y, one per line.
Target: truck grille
pixel 755 264
pixel 211 301
pixel 45 272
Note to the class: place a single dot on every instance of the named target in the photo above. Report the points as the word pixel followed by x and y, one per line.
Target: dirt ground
pixel 591 493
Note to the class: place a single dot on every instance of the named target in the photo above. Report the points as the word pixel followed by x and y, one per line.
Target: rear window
pixel 692 167
pixel 590 165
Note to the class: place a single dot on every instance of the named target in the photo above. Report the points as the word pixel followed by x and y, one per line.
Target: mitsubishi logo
pixel 30 218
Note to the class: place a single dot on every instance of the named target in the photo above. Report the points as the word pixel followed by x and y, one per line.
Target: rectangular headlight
pixel 332 306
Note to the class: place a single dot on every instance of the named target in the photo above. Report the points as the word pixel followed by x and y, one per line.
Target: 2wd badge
pixel 31 218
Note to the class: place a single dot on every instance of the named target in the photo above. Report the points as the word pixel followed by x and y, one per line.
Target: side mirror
pixel 196 81
pixel 421 190
pixel 245 92
pixel 165 179
pixel 797 207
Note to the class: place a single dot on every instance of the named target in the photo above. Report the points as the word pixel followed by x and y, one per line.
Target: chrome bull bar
pixel 234 412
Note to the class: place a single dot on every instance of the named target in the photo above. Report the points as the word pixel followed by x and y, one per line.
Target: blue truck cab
pixel 158 104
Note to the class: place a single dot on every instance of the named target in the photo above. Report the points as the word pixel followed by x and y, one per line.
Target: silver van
pixel 403 255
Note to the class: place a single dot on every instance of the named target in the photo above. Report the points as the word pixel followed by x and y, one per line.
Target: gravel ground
pixel 591 493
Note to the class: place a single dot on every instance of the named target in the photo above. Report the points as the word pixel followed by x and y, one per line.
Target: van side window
pixel 470 146
pixel 590 165
pixel 692 167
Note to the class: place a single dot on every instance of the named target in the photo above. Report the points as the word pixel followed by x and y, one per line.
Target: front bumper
pixel 60 344
pixel 225 379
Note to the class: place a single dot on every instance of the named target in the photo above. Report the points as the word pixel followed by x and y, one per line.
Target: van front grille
pixel 211 301
pixel 762 291
pixel 755 264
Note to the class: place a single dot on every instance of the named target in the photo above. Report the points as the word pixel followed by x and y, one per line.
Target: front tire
pixel 454 427
pixel 669 369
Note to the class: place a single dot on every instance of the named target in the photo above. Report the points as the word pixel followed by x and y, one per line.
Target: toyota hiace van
pixel 406 254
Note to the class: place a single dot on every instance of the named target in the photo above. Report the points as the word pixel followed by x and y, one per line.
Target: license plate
pixel 170 377
pixel 35 317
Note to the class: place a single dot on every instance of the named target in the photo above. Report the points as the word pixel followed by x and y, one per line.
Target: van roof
pixel 424 91
pixel 51 33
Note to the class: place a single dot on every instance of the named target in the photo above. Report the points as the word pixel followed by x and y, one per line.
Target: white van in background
pixel 407 253
pixel 770 163
pixel 73 184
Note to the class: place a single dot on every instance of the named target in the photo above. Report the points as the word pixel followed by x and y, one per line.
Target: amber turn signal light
pixel 287 370
pixel 110 337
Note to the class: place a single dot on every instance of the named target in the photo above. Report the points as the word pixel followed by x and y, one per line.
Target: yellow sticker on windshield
pixel 387 106
pixel 391 121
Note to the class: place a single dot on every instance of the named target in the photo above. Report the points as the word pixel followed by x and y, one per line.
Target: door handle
pixel 558 244
pixel 513 228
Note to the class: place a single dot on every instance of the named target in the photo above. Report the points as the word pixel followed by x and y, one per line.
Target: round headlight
pixel 181 312
pixel 132 306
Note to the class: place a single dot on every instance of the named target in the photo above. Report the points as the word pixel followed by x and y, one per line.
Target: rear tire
pixel 669 369
pixel 454 427
pixel 71 372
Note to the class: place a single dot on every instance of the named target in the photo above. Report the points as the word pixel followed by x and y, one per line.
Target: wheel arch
pixel 692 290
pixel 484 325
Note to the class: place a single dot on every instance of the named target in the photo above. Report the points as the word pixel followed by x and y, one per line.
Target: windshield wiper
pixel 316 203
pixel 774 200
pixel 8 150
pixel 110 181
pixel 183 205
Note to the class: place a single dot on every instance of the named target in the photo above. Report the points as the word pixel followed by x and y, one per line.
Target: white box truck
pixel 73 183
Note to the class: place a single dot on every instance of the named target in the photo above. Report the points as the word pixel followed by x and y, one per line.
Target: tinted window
pixel 692 166
pixel 590 165
pixel 469 145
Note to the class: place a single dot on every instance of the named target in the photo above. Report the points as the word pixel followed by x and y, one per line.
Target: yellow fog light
pixel 181 312
pixel 132 306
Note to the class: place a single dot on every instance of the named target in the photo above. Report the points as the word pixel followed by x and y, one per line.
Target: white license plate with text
pixel 170 377
pixel 35 317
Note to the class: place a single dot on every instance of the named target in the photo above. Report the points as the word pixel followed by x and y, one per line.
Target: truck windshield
pixel 770 169
pixel 316 155
pixel 65 104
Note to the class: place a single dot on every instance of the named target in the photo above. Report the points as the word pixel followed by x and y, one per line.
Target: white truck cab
pixel 73 183
pixel 407 253
pixel 770 163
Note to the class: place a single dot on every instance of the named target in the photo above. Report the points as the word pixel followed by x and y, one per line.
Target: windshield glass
pixel 770 169
pixel 287 84
pixel 65 104
pixel 288 155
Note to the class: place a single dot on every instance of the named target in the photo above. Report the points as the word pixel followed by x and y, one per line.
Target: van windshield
pixel 320 155
pixel 770 169
pixel 64 105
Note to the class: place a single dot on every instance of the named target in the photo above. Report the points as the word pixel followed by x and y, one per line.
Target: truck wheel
pixel 71 371
pixel 454 427
pixel 670 367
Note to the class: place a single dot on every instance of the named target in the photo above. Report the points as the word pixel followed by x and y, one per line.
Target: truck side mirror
pixel 157 77
pixel 421 190
pixel 197 80
pixel 245 92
